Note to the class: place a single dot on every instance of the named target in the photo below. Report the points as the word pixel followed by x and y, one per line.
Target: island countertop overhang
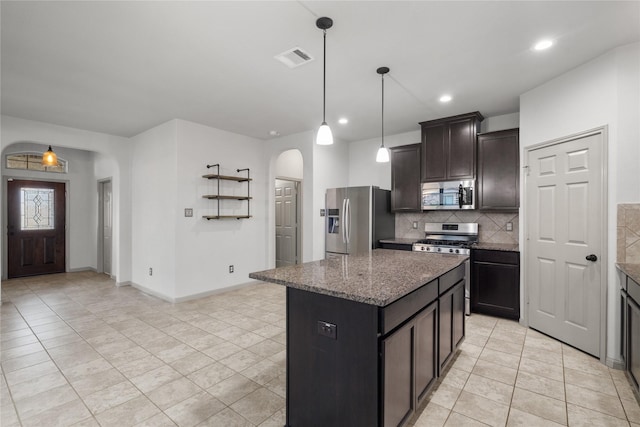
pixel 378 278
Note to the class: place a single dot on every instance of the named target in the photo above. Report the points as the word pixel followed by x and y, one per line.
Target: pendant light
pixel 383 152
pixel 49 158
pixel 324 137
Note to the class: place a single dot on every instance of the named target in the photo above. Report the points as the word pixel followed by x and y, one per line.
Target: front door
pixel 286 222
pixel 36 228
pixel 565 211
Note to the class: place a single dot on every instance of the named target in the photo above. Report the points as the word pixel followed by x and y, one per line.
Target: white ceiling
pixel 124 67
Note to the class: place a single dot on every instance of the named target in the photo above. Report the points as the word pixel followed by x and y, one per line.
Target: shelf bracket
pixel 248 189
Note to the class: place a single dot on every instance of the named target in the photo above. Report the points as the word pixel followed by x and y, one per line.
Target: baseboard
pixel 213 292
pixel 187 297
pixel 127 283
pixel 152 292
pixel 615 363
pixel 80 269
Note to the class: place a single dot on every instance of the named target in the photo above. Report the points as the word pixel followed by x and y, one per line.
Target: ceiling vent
pixel 294 58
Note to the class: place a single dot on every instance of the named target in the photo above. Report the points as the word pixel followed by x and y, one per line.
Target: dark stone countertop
pixel 377 278
pixel 400 241
pixel 631 270
pixel 507 247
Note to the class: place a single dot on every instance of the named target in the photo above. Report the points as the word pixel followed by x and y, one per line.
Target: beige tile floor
pixel 76 350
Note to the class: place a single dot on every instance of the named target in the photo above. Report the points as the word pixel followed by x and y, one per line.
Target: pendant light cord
pixel 324 77
pixel 382 110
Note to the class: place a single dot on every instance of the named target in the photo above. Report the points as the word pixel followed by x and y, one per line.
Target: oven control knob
pixel 438 249
pixel 457 251
pixel 450 250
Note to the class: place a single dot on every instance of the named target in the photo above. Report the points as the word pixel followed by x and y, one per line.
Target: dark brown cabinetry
pixel 356 364
pixel 451 320
pixel 449 147
pixel 405 178
pixel 498 187
pixel 409 364
pixel 495 283
pixel 631 331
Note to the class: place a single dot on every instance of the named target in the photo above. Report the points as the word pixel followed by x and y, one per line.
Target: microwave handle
pixel 460 196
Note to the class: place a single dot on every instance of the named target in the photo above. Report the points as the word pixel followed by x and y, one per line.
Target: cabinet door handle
pixel 592 258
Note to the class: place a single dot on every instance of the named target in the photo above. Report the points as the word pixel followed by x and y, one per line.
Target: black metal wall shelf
pixel 219 196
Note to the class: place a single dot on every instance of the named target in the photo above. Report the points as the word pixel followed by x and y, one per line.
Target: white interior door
pixel 286 222
pixel 564 222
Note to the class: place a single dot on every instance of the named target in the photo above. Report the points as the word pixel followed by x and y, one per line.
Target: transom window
pixel 33 161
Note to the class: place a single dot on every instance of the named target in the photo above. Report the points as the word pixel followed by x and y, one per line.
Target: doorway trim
pixel 604 227
pixel 5 220
pixel 298 213
pixel 100 249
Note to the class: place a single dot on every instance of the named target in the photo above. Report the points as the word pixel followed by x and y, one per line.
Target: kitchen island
pixel 368 335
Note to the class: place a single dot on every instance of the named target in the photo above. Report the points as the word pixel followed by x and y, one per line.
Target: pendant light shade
pixel 49 158
pixel 383 152
pixel 324 137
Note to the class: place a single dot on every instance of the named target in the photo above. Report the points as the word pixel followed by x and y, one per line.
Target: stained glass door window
pixel 37 208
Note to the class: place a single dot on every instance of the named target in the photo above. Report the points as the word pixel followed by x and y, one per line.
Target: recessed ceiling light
pixel 543 44
pixel 445 98
pixel 274 133
pixel 343 120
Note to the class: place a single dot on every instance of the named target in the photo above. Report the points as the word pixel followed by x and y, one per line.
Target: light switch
pixel 188 212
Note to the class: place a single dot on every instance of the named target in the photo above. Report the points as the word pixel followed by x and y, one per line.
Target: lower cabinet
pixel 409 364
pixel 495 283
pixel 451 326
pixel 631 330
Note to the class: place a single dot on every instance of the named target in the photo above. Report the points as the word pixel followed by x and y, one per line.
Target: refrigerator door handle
pixel 348 231
pixel 344 222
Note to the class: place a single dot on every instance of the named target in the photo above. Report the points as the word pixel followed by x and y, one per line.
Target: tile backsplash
pixel 628 247
pixel 492 227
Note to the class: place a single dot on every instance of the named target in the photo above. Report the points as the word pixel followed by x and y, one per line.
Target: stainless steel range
pixel 451 238
pixel 448 237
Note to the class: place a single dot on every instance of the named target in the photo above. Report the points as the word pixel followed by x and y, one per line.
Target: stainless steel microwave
pixel 450 195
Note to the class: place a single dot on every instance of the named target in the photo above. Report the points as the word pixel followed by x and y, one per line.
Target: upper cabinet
pixel 498 187
pixel 405 178
pixel 449 147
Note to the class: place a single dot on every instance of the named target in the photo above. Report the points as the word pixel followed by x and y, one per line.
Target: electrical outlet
pixel 150 271
pixel 509 226
pixel 415 225
pixel 231 269
pixel 188 212
pixel 328 330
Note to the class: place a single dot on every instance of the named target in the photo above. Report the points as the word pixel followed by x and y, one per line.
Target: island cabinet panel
pixel 409 362
pixel 406 192
pixel 331 381
pixel 451 325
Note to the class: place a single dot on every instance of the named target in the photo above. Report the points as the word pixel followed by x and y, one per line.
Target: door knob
pixel 592 257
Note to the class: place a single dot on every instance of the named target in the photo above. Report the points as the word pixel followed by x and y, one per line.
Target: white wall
pixel 113 152
pixel 208 247
pixel 601 92
pixel 154 192
pixel 289 164
pixel 495 123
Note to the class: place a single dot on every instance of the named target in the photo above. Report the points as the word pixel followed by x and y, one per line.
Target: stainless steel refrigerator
pixel 356 219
